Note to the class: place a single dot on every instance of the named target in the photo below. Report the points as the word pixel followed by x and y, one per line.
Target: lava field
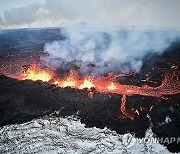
pixel 131 102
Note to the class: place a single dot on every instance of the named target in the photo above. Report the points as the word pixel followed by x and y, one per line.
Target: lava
pixel 87 83
pixel 170 84
pixel 34 75
pixel 123 108
pixel 112 86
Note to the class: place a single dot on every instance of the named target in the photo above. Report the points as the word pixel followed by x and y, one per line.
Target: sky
pixel 48 13
pixel 7 4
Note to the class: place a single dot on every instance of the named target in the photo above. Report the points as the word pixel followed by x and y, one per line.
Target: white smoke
pixel 100 50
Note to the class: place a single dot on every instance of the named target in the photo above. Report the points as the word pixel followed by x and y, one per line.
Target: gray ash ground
pixel 22 101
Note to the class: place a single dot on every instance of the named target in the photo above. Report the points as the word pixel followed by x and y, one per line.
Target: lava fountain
pixel 35 74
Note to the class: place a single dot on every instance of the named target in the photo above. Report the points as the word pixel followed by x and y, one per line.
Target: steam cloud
pixel 117 50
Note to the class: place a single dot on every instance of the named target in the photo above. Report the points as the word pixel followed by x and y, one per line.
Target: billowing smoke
pixel 94 50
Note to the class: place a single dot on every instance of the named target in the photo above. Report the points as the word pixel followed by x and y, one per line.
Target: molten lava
pixel 34 73
pixel 170 85
pixel 112 86
pixel 87 83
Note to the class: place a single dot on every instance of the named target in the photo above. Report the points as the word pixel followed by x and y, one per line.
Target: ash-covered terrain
pixel 24 100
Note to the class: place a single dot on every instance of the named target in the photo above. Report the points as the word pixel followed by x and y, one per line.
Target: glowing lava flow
pixel 123 108
pixel 87 83
pixel 108 84
pixel 112 86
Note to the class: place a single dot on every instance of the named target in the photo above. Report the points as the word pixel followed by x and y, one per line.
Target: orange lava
pixel 87 83
pixel 170 85
pixel 34 73
pixel 112 86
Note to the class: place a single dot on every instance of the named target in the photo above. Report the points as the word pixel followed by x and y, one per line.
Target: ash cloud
pixel 97 51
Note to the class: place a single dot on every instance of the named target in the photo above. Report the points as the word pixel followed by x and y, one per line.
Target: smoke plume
pixel 97 51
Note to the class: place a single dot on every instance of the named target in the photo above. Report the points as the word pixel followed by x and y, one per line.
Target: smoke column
pixel 96 51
